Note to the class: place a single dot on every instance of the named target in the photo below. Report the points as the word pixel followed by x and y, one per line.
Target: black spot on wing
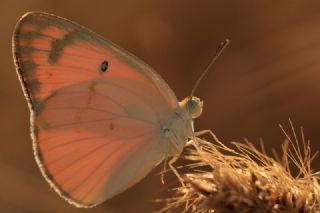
pixel 104 66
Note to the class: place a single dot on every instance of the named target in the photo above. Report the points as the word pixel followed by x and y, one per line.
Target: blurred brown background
pixel 270 72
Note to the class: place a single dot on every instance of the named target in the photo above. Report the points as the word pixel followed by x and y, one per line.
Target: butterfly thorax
pixel 179 126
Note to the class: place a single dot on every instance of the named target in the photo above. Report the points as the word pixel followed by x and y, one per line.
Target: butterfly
pixel 101 118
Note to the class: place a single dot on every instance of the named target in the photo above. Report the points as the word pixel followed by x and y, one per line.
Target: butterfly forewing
pixel 96 109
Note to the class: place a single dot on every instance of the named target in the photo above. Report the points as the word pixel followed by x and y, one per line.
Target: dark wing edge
pixel 45 173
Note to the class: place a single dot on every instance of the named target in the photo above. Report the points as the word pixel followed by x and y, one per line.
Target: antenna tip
pixel 225 42
pixel 219 50
pixel 222 45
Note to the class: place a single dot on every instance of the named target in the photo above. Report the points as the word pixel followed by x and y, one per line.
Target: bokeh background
pixel 270 72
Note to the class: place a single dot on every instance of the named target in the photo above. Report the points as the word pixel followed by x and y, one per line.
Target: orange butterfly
pixel 101 119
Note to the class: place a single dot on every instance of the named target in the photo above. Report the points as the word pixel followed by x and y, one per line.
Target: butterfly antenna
pixel 219 50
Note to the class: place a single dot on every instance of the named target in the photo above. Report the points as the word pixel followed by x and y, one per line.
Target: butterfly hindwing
pixel 96 109
pixel 94 155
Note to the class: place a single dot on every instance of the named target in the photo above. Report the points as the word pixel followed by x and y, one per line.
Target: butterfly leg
pixel 215 139
pixel 170 163
pixel 183 185
pixel 207 131
pixel 164 169
pixel 171 145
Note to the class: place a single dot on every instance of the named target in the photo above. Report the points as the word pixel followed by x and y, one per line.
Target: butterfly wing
pixel 95 109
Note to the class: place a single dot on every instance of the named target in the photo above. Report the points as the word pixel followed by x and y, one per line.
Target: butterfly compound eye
pixel 194 106
pixel 104 66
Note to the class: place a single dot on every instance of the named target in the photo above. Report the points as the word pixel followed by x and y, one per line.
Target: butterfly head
pixel 193 106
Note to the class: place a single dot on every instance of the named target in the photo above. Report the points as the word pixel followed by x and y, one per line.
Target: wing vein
pixel 101 175
pixel 88 154
pixel 80 122
pixel 101 110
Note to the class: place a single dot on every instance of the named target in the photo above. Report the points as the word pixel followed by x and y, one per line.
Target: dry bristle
pixel 245 179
